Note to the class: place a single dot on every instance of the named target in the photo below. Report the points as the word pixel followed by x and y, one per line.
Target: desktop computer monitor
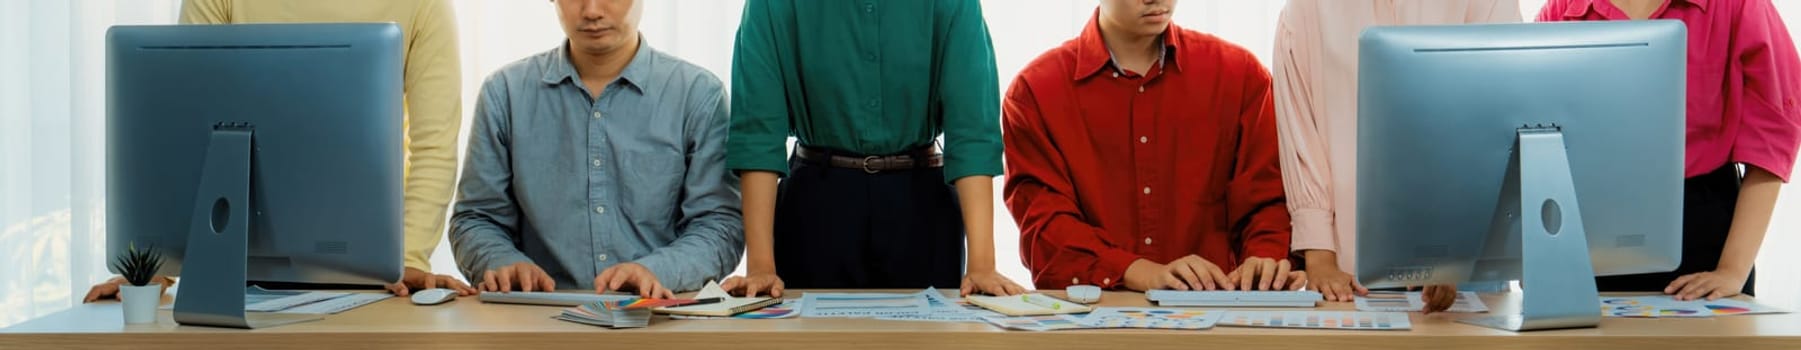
pixel 1548 153
pixel 264 152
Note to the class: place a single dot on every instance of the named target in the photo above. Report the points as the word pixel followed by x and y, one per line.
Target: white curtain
pixel 52 76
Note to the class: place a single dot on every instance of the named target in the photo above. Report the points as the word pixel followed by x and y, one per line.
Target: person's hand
pixel 416 279
pixel 1333 283
pixel 1188 273
pixel 110 288
pixel 1297 280
pixel 1712 285
pixel 524 274
pixel 991 283
pixel 1439 297
pixel 632 275
pixel 1257 273
pixel 748 285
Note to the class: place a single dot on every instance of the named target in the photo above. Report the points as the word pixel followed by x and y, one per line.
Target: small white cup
pixel 141 302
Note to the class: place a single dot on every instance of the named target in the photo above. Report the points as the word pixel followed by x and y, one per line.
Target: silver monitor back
pixel 1438 111
pixel 326 170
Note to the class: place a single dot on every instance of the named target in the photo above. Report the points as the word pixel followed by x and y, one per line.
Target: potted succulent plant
pixel 141 293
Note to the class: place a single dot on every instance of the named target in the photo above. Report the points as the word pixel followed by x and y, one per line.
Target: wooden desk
pixel 466 323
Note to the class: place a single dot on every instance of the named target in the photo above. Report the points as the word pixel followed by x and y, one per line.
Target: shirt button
pixel 1106 281
pixel 597 115
pixel 871 57
pixel 602 257
pixel 600 210
pixel 1147 190
pixel 1141 89
pixel 597 162
pixel 1115 74
pixel 874 103
pixel 1147 241
pixel 1143 139
pixel 1073 280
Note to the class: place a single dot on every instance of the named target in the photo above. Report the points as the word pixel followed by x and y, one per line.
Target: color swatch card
pixel 864 305
pixel 1661 306
pixel 1038 323
pixel 1411 302
pixel 1151 318
pixel 1353 320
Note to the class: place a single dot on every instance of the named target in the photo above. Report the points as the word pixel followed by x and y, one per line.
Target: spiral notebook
pixel 727 307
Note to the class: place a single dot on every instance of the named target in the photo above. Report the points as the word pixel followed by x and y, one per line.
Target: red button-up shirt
pixel 1743 79
pixel 1105 167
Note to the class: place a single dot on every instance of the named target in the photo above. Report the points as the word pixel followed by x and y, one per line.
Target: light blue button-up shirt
pixel 577 185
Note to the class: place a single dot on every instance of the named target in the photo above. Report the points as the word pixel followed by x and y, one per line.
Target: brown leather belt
pixel 874 164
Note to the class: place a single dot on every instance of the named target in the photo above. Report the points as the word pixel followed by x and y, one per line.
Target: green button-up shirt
pixel 865 76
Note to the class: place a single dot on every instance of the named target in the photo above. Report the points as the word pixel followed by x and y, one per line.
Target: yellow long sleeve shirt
pixel 433 85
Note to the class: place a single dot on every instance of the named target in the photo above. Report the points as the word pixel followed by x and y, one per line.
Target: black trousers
pixel 844 228
pixel 1708 204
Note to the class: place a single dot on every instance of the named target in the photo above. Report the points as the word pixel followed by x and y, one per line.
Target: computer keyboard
pixel 1218 298
pixel 550 298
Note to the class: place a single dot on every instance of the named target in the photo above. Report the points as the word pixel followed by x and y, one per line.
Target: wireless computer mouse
pixel 434 296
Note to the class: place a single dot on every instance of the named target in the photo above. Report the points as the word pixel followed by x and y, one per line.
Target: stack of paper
pixel 629 313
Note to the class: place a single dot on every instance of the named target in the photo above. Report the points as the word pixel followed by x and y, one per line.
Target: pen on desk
pixel 704 301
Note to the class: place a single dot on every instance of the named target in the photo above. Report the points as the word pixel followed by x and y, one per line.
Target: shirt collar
pixel 635 74
pixel 1582 8
pixel 1093 56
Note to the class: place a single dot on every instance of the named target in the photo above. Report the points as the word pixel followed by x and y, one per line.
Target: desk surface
pixel 467 323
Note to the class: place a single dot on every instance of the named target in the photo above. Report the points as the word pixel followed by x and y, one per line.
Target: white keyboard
pixel 550 298
pixel 1217 298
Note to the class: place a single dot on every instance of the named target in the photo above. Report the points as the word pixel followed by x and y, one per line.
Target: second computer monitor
pixel 1443 111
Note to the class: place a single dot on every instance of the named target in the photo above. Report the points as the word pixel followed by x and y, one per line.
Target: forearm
pixel 759 220
pixel 1320 258
pixel 706 251
pixel 1750 220
pixel 976 194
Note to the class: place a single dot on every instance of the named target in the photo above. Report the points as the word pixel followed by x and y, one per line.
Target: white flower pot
pixel 141 302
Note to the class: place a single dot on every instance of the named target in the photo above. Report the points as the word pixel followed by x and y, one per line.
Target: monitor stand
pixel 1556 276
pixel 213 270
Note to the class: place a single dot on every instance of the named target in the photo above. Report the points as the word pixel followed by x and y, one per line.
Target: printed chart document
pixel 1351 320
pixel 1661 306
pixel 863 305
pixel 944 309
pixel 1412 302
pixel 257 299
pixel 1114 317
pixel 1152 318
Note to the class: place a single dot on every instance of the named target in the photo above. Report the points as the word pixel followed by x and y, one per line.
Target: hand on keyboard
pixel 634 276
pixel 1188 273
pixel 524 275
pixel 1258 273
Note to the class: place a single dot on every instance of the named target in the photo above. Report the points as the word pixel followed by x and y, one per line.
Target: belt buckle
pixel 866 161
